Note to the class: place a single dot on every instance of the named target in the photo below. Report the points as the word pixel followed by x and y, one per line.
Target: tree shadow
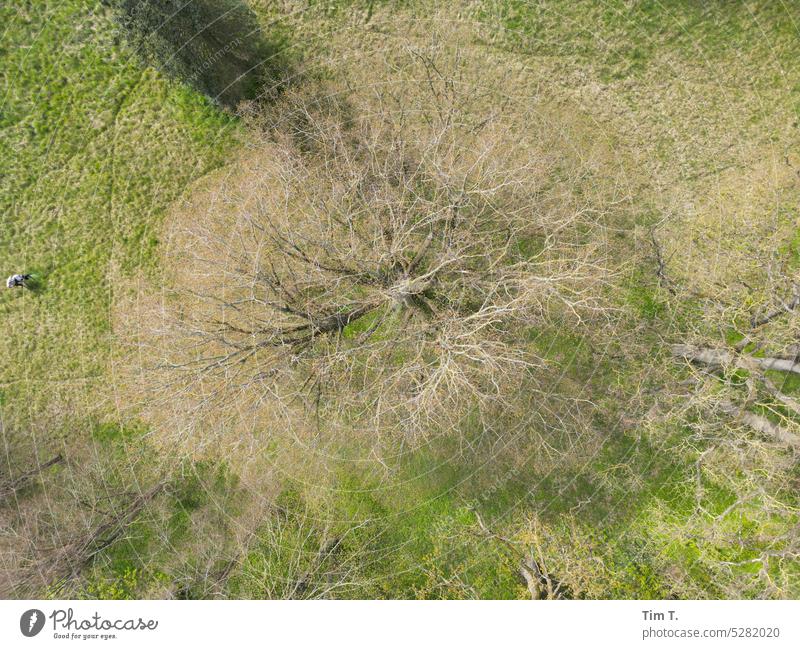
pixel 215 46
pixel 36 282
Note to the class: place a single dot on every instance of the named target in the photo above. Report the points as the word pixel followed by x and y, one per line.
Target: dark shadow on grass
pixel 214 46
pixel 36 283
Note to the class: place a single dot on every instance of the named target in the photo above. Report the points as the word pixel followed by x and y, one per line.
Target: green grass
pixel 626 39
pixel 399 538
pixel 94 149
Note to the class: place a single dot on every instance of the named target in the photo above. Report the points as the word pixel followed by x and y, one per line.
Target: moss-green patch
pixel 111 432
pixel 645 299
pixel 563 346
pixel 125 586
pixel 785 381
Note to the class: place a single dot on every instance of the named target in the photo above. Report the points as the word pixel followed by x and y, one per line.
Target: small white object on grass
pixel 17 280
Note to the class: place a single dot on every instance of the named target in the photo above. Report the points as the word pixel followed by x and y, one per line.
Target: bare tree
pixel 739 407
pixel 67 561
pixel 12 485
pixel 531 563
pixel 375 267
pixel 302 557
pixel 754 356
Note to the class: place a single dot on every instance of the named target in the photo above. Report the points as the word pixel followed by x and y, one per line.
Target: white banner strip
pixel 372 625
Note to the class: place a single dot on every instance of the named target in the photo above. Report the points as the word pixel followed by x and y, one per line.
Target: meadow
pixel 623 472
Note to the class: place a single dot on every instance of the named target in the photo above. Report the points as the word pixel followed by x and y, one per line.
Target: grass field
pixel 94 150
pixel 691 110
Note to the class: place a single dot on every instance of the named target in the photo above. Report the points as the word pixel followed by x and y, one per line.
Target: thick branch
pixel 761 424
pixel 76 555
pixel 12 486
pixel 720 358
pixel 785 307
pixel 536 578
